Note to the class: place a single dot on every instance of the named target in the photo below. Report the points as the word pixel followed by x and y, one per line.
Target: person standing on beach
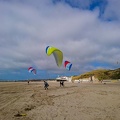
pixel 61 83
pixel 79 83
pixel 28 82
pixel 46 85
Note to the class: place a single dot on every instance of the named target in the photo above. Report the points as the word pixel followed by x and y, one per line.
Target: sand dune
pixel 84 101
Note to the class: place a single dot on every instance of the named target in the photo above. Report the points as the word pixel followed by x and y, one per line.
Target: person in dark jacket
pixel 46 85
pixel 61 83
pixel 28 82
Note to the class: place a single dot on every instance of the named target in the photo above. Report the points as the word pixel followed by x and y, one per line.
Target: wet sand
pixel 84 101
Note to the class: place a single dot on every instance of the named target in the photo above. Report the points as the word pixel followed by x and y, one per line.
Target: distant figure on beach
pixel 46 85
pixel 79 83
pixel 61 83
pixel 28 82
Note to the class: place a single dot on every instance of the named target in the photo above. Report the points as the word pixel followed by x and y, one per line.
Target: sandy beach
pixel 84 101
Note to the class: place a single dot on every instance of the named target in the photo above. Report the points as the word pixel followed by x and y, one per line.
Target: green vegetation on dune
pixel 101 74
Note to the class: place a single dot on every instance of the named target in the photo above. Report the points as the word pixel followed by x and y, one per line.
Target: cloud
pixel 112 10
pixel 28 27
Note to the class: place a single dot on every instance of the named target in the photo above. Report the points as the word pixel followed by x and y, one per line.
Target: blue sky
pixel 86 31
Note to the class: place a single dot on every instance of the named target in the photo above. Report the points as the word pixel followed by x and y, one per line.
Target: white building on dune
pixel 89 79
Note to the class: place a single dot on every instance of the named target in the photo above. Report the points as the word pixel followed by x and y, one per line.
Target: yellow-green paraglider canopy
pixel 58 55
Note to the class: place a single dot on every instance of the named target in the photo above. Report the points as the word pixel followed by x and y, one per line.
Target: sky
pixel 86 31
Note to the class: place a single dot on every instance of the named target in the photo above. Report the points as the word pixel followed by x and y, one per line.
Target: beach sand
pixel 76 101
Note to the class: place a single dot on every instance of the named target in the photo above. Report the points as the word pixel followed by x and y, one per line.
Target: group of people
pixel 46 85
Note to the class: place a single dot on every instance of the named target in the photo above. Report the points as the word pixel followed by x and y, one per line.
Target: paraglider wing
pixel 66 62
pixel 33 71
pixel 58 55
pixel 30 69
pixel 67 65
